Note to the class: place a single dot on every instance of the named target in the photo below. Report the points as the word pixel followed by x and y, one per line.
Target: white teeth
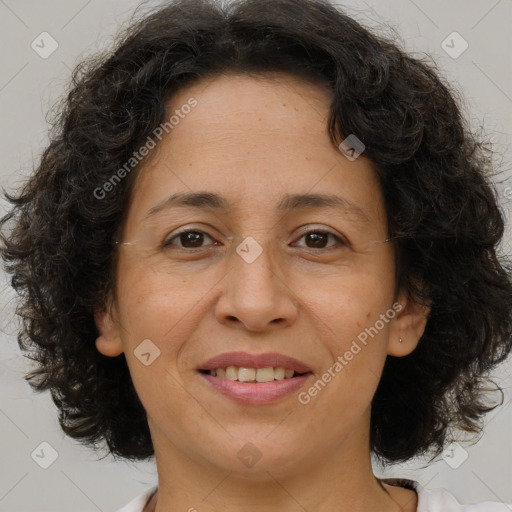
pixel 246 374
pixel 232 373
pixel 279 373
pixel 243 374
pixel 265 374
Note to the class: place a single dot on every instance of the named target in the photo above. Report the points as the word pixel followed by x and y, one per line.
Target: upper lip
pixel 246 360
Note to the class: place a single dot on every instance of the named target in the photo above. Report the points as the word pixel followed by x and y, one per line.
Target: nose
pixel 257 296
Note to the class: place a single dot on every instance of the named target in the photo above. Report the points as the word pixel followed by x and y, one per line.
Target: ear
pixel 409 325
pixel 108 342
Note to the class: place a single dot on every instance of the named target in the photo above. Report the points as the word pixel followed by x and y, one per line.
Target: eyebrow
pixel 288 203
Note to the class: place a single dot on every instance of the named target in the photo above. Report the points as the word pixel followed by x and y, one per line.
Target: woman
pixel 262 248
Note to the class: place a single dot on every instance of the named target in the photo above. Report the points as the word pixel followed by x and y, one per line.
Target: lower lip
pixel 254 393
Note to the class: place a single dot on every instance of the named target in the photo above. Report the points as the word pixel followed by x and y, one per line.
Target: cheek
pixel 152 305
pixel 351 301
pixel 340 300
pixel 158 316
pixel 352 329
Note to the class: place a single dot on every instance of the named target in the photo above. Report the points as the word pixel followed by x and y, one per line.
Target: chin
pixel 254 457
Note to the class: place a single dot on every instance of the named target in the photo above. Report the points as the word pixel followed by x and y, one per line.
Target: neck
pixel 341 480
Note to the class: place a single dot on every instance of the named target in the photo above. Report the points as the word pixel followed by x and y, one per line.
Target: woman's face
pixel 249 278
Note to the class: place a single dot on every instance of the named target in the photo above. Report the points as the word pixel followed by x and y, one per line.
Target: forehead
pixel 236 108
pixel 254 139
pixel 231 89
pixel 272 123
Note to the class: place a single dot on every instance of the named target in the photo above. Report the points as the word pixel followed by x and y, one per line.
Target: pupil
pixel 191 237
pixel 317 239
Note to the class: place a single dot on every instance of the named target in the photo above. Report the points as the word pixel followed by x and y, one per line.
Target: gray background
pixel 29 85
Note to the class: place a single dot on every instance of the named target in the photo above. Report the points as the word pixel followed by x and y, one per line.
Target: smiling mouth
pixel 253 375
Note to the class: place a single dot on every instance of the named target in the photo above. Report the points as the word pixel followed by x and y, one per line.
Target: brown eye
pixel 318 239
pixel 188 239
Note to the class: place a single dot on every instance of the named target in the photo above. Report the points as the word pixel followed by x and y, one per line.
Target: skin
pixel 253 140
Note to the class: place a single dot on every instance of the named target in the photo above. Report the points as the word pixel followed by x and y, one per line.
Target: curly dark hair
pixel 442 211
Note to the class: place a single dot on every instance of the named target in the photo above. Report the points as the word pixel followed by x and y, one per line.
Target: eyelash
pixel 166 243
